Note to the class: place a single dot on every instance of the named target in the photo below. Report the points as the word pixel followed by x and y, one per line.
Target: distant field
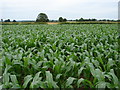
pixel 21 23
pixel 60 56
pixel 68 22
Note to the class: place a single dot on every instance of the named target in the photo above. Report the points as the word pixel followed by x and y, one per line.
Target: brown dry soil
pixel 52 23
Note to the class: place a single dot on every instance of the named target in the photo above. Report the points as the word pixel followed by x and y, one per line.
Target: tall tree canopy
pixel 7 20
pixel 62 19
pixel 42 17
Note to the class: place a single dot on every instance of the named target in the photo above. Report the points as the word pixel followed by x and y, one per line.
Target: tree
pixel 81 19
pixel 14 20
pixel 94 20
pixel 61 19
pixel 104 20
pixel 42 17
pixel 7 20
pixel 1 20
pixel 76 20
pixel 64 19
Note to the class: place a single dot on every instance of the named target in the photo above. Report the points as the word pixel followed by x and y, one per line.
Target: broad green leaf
pixel 1 87
pixel 7 68
pixel 16 86
pixel 49 79
pixel 6 78
pixel 99 75
pixel 36 80
pixel 96 63
pixel 101 84
pixel 36 76
pixel 27 79
pixel 58 76
pixel 110 63
pixel 14 79
pixel 79 82
pixel 115 79
pixel 69 81
pixel 80 71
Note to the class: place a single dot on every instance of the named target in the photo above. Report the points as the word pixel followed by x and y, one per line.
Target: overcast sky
pixel 70 9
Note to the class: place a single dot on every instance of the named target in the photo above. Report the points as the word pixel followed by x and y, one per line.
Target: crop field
pixel 60 56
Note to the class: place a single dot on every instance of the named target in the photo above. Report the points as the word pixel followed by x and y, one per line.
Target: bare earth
pixel 52 23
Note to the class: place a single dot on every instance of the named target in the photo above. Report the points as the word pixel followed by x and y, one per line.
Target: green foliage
pixel 60 56
pixel 42 17
pixel 62 19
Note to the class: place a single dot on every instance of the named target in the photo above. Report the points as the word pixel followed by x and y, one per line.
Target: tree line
pixel 8 20
pixel 42 17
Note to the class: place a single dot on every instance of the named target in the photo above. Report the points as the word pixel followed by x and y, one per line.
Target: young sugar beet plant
pixel 60 56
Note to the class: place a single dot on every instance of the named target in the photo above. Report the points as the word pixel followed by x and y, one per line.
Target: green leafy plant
pixel 60 56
